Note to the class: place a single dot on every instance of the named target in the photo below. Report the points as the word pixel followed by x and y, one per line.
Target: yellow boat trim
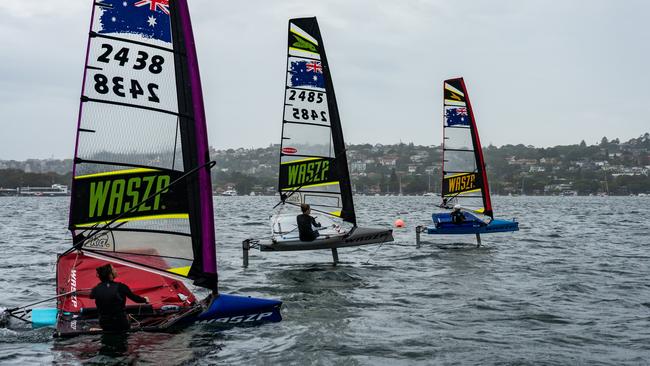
pixel 452 89
pixel 335 213
pixel 301 50
pixel 456 103
pixel 312 185
pixel 117 172
pixel 139 218
pixel 301 160
pixel 183 271
pixel 470 191
pixel 480 210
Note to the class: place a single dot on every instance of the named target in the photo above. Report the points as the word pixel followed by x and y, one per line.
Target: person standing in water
pixel 305 222
pixel 110 299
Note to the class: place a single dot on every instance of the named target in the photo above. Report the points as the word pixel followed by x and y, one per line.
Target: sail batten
pixel 313 163
pixel 463 170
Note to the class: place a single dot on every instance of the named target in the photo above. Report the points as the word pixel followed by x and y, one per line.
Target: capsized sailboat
pixel 464 179
pixel 313 162
pixel 141 193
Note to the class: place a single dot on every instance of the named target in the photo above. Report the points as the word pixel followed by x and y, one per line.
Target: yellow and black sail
pixel 313 162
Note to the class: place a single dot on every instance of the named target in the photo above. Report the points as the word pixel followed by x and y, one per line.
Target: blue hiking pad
pixel 472 225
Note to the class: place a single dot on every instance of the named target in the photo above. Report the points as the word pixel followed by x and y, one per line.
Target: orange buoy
pixel 400 223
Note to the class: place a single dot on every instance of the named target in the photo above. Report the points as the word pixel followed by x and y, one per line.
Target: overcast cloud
pixel 538 72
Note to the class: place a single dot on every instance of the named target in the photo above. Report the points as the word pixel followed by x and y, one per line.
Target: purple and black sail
pixel 142 131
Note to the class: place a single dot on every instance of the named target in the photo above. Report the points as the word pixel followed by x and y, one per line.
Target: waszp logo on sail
pixel 462 183
pixel 309 172
pixel 115 196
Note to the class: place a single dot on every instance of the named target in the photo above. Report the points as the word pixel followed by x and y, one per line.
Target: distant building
pixel 358 166
pixel 388 160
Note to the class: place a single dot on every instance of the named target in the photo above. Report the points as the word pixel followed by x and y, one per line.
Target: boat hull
pixel 226 310
pixel 472 225
pixel 356 237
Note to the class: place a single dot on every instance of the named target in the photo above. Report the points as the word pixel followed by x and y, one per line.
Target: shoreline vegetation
pixel 605 168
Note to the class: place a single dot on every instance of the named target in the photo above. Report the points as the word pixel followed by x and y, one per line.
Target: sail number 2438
pixel 103 86
pixel 125 58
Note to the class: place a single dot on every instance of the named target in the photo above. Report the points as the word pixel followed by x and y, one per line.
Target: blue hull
pixel 233 309
pixel 472 225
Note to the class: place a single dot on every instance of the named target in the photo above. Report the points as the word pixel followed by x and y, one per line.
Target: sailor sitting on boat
pixel 457 216
pixel 110 299
pixel 305 222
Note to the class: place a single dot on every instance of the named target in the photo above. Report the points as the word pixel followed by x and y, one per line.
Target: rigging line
pixel 178 122
pixel 80 243
pixel 12 310
pixel 375 252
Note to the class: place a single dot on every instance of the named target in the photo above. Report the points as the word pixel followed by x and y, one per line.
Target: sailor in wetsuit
pixel 457 216
pixel 110 298
pixel 305 222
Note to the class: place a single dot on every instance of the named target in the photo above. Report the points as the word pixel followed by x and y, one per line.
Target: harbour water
pixel 571 287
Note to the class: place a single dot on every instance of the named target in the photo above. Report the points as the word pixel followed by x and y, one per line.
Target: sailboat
pixel 464 178
pixel 313 162
pixel 141 191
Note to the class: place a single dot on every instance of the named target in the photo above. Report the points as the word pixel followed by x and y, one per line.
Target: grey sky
pixel 538 72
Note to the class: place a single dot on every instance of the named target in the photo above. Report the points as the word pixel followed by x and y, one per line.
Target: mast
pixel 198 155
pixel 347 212
pixel 478 150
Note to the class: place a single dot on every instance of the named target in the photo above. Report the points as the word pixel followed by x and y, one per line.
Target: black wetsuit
pixel 110 298
pixel 304 227
pixel 457 217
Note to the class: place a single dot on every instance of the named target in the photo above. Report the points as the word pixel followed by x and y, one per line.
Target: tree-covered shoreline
pixel 606 167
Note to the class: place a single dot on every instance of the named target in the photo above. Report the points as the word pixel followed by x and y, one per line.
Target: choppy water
pixel 572 287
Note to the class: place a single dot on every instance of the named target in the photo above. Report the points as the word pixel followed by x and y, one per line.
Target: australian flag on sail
pixel 147 18
pixel 307 73
pixel 457 116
